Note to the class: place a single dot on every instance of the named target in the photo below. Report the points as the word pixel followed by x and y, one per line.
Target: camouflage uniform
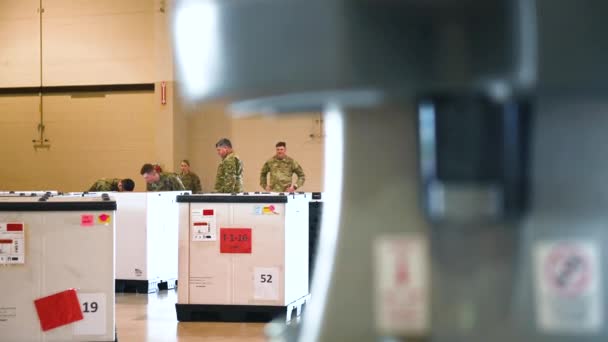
pixel 281 172
pixel 105 185
pixel 191 182
pixel 167 182
pixel 229 176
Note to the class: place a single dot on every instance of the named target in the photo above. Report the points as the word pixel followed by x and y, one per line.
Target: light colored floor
pixel 152 317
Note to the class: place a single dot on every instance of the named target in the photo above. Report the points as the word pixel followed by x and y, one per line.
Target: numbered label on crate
pixel 235 240
pixel 568 287
pixel 12 243
pixel 94 310
pixel 203 226
pixel 401 284
pixel 266 283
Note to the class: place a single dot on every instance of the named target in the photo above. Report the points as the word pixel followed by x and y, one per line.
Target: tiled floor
pixel 152 317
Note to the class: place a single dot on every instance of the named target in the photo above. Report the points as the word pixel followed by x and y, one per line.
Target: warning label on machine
pixel 203 226
pixel 12 243
pixel 568 287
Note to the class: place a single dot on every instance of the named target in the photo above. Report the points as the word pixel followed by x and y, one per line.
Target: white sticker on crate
pixel 12 243
pixel 203 225
pixel 402 284
pixel 94 310
pixel 266 283
pixel 568 287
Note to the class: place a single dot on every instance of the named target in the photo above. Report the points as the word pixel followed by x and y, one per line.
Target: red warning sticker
pixel 14 227
pixel 58 309
pixel 87 220
pixel 235 240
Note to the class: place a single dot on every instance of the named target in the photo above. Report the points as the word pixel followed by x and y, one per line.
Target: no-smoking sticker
pixel 567 269
pixel 568 288
pixel 402 284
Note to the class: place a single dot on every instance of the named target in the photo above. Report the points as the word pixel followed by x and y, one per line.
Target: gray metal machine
pixel 478 126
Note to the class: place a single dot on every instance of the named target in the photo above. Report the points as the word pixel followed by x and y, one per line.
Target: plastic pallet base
pixel 135 286
pixel 167 285
pixel 228 313
pixel 240 313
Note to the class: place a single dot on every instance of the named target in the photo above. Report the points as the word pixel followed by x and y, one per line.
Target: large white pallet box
pixel 146 239
pixel 242 257
pixel 57 252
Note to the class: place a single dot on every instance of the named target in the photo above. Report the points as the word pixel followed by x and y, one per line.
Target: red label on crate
pixel 207 212
pixel 235 240
pixel 58 309
pixel 87 220
pixel 14 227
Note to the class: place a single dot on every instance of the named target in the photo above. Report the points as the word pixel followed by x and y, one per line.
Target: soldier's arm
pixel 300 173
pixel 264 175
pixel 178 184
pixel 230 171
pixel 196 185
pixel 218 179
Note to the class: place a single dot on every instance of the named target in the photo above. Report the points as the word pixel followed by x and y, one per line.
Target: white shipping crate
pixel 242 257
pixel 146 239
pixel 62 243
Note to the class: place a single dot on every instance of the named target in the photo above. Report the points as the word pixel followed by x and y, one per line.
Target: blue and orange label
pixel 266 210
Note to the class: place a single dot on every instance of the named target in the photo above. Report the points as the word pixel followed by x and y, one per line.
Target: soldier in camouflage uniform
pixel 281 168
pixel 162 181
pixel 229 176
pixel 112 184
pixel 189 179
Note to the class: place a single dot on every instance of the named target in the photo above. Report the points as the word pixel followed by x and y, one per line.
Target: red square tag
pixel 235 240
pixel 14 227
pixel 58 309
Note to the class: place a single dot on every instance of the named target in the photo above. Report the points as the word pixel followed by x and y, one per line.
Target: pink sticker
pixel 87 220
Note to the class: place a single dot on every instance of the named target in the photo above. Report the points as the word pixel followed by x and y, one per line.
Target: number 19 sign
pixel 235 240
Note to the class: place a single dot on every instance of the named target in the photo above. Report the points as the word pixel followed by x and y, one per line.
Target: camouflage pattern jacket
pixel 191 182
pixel 281 173
pixel 105 185
pixel 167 182
pixel 229 176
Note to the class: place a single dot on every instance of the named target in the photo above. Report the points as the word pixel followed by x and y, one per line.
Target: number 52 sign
pixel 266 283
pixel 93 306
